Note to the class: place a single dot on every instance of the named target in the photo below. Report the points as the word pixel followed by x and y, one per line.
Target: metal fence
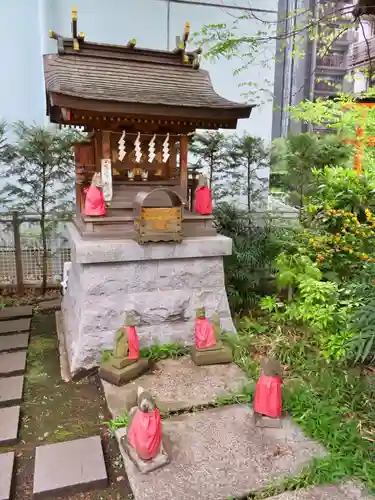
pixel 21 250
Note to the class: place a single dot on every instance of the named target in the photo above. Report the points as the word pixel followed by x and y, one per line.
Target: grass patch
pixel 331 402
pixel 155 352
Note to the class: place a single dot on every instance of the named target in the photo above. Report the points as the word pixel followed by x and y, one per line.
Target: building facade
pixel 323 64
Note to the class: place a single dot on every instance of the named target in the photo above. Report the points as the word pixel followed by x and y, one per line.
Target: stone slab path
pixel 6 474
pixel 11 390
pixel 15 312
pixel 9 424
pixel 12 363
pixel 13 347
pixel 215 453
pixel 15 326
pixel 15 342
pixel 345 491
pixel 177 384
pixel 69 467
pixel 220 453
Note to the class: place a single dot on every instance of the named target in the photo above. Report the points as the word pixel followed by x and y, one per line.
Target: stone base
pixel 267 422
pixel 144 466
pixel 220 454
pixel 160 284
pixel 123 375
pixel 219 356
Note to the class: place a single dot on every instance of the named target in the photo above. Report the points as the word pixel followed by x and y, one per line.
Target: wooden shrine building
pixel 139 108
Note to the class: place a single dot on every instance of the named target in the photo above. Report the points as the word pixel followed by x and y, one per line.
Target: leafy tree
pixel 6 150
pixel 210 150
pixel 247 155
pixel 40 177
pixel 295 159
pixel 251 37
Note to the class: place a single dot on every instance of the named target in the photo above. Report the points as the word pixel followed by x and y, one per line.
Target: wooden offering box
pixel 158 223
pixel 139 109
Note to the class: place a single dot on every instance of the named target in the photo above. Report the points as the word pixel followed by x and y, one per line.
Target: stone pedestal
pixel 122 375
pixel 221 355
pixel 161 284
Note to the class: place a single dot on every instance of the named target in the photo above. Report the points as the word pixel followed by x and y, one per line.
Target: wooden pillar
pixel 172 159
pixel 106 145
pixel 184 144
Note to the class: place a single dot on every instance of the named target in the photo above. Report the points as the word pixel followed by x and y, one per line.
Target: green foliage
pixel 295 159
pixel 247 154
pixel 6 151
pixel 40 177
pixel 363 320
pixel 211 155
pixel 315 303
pixel 330 402
pixel 163 351
pixel 41 170
pixel 155 352
pixel 342 188
pixel 254 249
pixel 117 423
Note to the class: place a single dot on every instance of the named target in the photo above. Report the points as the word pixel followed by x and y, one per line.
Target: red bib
pixel 203 201
pixel 268 398
pixel 94 202
pixel 145 434
pixel 133 343
pixel 204 334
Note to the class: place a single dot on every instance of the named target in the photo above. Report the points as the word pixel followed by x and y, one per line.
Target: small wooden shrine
pixel 139 108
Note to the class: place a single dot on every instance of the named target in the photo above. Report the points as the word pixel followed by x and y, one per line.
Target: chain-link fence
pixel 21 250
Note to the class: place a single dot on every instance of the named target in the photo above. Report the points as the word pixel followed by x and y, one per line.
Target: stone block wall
pixel 162 293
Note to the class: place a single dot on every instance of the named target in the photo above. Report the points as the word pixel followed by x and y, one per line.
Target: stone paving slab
pixel 12 363
pixel 177 384
pixel 345 491
pixel 14 326
pixel 9 423
pixel 68 468
pixel 6 474
pixel 48 305
pixel 14 342
pixel 11 389
pixel 220 453
pixel 15 312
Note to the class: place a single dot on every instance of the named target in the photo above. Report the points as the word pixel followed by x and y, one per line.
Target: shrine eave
pixel 68 109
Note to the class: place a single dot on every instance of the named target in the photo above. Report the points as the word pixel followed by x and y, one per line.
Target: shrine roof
pixel 130 80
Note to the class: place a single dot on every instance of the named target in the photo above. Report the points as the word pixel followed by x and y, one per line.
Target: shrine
pixel 137 244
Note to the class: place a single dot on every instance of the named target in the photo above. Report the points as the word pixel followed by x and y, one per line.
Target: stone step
pixel 12 363
pixel 49 305
pixel 344 491
pixel 6 474
pixel 220 453
pixel 14 342
pixel 9 425
pixel 72 466
pixel 13 326
pixel 11 390
pixel 177 384
pixel 15 312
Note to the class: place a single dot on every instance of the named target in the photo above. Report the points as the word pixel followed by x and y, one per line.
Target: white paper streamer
pixel 137 144
pixel 122 147
pixel 151 149
pixel 166 154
